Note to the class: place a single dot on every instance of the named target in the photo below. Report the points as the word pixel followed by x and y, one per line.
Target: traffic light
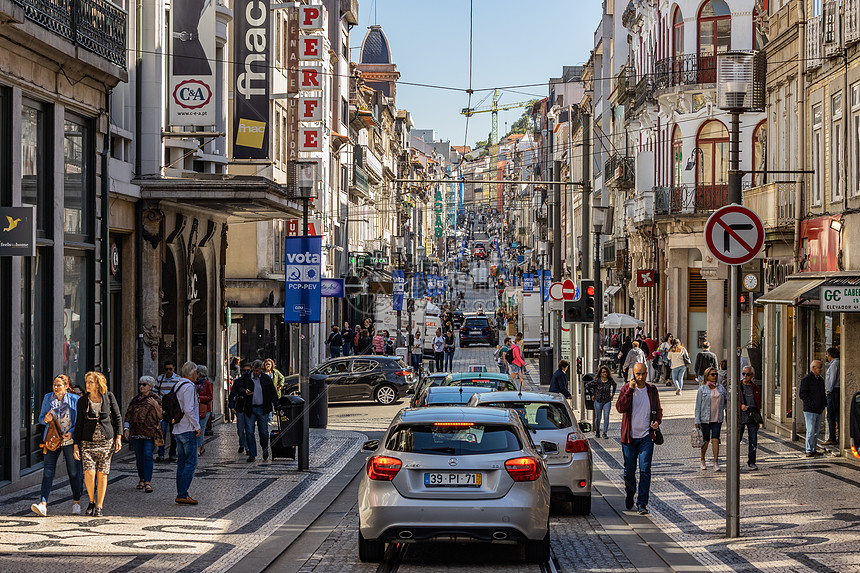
pixel 579 364
pixel 742 306
pixel 581 309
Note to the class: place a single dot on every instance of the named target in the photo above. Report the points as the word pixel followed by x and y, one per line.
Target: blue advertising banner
pixel 332 288
pixel 399 281
pixel 416 285
pixel 528 282
pixel 547 282
pixel 302 299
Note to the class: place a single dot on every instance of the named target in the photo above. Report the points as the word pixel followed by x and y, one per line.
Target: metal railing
pixel 618 170
pixel 813 43
pixel 773 202
pixel 690 199
pixel 685 70
pixel 643 92
pixel 98 26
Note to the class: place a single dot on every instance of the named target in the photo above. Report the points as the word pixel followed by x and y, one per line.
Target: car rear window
pixel 476 322
pixel 538 415
pixel 397 364
pixel 482 382
pixel 453 440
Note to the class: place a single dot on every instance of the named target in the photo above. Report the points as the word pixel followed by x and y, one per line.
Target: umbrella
pixel 618 320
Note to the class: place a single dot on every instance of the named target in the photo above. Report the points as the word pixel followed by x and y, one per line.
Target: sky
pixel 512 46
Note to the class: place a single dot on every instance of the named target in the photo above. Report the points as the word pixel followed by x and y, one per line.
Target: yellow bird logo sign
pixel 12 223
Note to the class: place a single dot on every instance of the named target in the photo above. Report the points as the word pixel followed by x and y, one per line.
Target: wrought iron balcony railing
pixel 618 171
pixel 690 199
pixel 98 26
pixel 685 70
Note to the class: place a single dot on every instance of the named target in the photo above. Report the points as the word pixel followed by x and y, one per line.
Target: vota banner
pixel 528 282
pixel 251 47
pixel 399 280
pixel 192 70
pixel 547 282
pixel 302 292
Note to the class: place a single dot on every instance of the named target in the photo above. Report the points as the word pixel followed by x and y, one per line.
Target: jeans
pixel 240 429
pixel 449 360
pixel 832 414
pixel 416 362
pixel 334 350
pixel 73 468
pixel 143 457
pixel 346 348
pixel 753 440
pixel 167 432
pixel 641 450
pixel 503 368
pixel 186 463
pixel 813 427
pixel 203 421
pixel 602 408
pixel 262 421
pixel 440 361
pixel 678 376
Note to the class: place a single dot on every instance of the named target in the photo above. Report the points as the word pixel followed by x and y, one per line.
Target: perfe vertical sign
pixel 399 286
pixel 302 294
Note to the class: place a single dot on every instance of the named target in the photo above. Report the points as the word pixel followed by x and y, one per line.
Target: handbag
pixel 54 437
pixel 658 433
pixel 755 416
pixel 696 438
pixel 686 357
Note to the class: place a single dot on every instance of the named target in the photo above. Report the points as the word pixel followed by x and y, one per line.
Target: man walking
pixel 260 399
pixel 641 414
pixel 560 383
pixel 706 359
pixel 165 385
pixel 186 431
pixel 814 399
pixel 234 401
pixel 831 389
pixel 750 399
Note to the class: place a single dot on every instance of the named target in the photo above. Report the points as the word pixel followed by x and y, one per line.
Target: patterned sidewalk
pixel 241 504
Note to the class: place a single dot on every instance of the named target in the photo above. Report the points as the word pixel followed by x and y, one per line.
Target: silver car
pixel 454 473
pixel 550 419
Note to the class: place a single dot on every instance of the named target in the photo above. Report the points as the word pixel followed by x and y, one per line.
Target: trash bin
pixel 318 406
pixel 289 413
pixel 589 397
pixel 545 364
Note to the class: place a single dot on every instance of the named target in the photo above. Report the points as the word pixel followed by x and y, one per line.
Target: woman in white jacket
pixel 635 356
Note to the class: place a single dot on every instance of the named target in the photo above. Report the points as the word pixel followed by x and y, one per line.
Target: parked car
pixel 466 472
pixel 384 379
pixel 477 329
pixel 449 395
pixel 551 419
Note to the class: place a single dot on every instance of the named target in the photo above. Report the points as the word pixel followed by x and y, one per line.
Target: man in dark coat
pixel 814 399
pixel 559 383
pixel 705 359
pixel 259 397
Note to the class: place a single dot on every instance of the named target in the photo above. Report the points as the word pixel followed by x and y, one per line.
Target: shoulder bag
pixel 54 437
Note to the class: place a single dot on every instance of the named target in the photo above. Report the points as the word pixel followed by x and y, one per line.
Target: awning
pixel 611 290
pixel 789 291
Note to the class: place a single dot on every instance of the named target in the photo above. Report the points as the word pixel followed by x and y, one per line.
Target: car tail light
pixel 455 424
pixel 575 446
pixel 523 469
pixel 383 468
pixel 403 372
pixel 485 330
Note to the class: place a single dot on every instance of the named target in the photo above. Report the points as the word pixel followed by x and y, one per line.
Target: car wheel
pixel 538 551
pixel 580 505
pixel 370 551
pixel 385 394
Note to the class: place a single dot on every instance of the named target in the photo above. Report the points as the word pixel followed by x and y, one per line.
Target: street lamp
pixel 601 224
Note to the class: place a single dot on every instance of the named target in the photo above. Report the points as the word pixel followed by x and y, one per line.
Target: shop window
pixel 837 184
pixel 759 154
pixel 77 315
pixel 817 155
pixel 36 180
pixel 78 178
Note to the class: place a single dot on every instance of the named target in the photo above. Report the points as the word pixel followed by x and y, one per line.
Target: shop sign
pixel 840 298
pixel 114 259
pixel 332 288
pixel 192 70
pixel 18 231
pixel 295 227
pixel 251 79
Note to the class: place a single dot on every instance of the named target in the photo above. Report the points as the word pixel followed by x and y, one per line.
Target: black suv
pixel 477 328
pixel 384 379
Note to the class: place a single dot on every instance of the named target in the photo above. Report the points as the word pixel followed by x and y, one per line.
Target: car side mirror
pixel 585 427
pixel 370 446
pixel 549 447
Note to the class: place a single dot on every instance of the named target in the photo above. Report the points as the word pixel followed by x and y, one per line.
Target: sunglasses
pixel 747 373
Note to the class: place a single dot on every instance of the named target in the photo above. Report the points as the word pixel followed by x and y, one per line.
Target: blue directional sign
pixel 399 281
pixel 302 293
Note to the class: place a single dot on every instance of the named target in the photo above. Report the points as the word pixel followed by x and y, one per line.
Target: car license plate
pixel 476 332
pixel 452 480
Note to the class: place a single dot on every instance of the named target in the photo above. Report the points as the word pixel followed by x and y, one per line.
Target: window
pixel 677 157
pixel 363 365
pixel 344 111
pixel 759 154
pixel 35 164
pixel 77 316
pixel 816 8
pixel 712 174
pixel 78 180
pixel 854 138
pixel 677 33
pixel 453 440
pixel 837 184
pixel 817 156
pixel 715 37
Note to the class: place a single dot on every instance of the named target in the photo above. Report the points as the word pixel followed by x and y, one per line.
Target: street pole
pixel 304 369
pixel 598 307
pixel 585 229
pixel 557 268
pixel 733 469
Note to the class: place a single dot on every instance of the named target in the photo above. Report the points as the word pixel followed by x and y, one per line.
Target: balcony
pixel 642 93
pixel 774 204
pixel 97 26
pixel 813 43
pixel 685 70
pixel 619 171
pixel 359 184
pixel 690 199
pixel 852 21
pixel 643 207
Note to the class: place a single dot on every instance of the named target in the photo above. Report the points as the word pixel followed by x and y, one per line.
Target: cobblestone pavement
pixel 240 505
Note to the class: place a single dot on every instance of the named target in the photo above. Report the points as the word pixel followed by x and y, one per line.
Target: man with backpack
pixel 181 407
pixel 166 382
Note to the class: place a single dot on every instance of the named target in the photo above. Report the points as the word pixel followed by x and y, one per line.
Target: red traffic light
pixel 589 291
pixel 743 299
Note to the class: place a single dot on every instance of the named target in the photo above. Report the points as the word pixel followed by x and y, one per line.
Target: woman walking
pixel 334 342
pixel 60 407
pixel 450 345
pixel 204 397
pixel 603 389
pixel 97 437
pixel 635 356
pixel 417 351
pixel 439 350
pixel 515 360
pixel 347 335
pixel 710 405
pixel 678 360
pixel 143 429
pixel 274 374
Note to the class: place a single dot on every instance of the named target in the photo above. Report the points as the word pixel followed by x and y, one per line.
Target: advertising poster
pixel 302 292
pixel 399 280
pixel 192 63
pixel 251 79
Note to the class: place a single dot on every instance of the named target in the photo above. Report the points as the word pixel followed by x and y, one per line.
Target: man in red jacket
pixel 641 414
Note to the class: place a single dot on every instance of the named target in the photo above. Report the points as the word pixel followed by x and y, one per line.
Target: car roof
pixel 454 414
pixel 472 375
pixel 508 396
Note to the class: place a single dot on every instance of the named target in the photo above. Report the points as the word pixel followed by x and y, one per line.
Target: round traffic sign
pixel 555 291
pixel 568 289
pixel 734 234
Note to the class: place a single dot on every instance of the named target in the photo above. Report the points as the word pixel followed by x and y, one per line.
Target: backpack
pixel 171 409
pixel 509 355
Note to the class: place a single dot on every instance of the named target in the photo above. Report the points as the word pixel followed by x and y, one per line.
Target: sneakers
pixel 677 392
pixel 187 500
pixel 97 512
pixel 812 454
pixel 717 467
pixel 76 509
pixel 605 437
pixel 828 443
pixel 241 450
pixel 752 467
pixel 40 509
pixel 704 466
pixel 642 510
pixel 628 501
pixel 159 459
pixel 251 459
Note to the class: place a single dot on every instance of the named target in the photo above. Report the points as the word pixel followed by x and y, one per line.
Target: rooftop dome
pixel 374 49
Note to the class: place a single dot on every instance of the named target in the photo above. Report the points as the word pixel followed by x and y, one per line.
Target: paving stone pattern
pixel 240 505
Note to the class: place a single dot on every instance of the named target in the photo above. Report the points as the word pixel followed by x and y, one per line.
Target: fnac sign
pixel 192 94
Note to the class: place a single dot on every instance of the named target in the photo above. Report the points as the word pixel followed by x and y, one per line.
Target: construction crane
pixel 495 108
